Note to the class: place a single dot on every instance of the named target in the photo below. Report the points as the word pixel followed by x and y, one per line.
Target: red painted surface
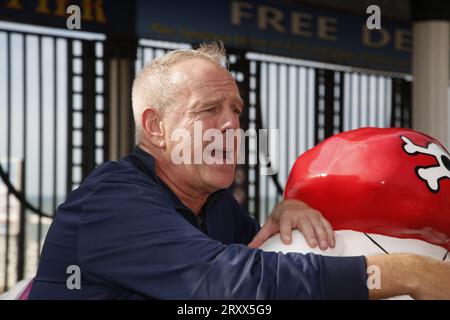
pixel 364 180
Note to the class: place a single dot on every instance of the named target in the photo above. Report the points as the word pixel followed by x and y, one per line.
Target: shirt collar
pixel 146 163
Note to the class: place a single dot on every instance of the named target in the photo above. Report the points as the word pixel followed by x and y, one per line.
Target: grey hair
pixel 152 86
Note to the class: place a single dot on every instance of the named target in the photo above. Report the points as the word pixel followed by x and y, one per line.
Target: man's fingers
pixel 290 214
pixel 330 232
pixel 320 233
pixel 267 230
pixel 308 232
pixel 286 230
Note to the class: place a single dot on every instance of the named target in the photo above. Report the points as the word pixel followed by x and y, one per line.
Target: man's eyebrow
pixel 205 103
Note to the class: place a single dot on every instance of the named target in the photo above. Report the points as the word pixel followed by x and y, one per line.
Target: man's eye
pixel 237 111
pixel 210 110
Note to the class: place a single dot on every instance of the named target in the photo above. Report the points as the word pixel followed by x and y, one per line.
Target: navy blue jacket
pixel 132 238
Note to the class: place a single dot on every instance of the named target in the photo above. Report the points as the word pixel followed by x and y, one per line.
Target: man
pixel 147 227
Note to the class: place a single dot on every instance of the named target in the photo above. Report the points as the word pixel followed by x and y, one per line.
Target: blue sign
pixel 281 28
pixel 284 28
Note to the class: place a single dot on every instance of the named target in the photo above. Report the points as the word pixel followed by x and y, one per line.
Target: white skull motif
pixel 433 174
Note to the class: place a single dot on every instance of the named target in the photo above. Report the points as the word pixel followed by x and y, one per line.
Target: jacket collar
pixel 146 163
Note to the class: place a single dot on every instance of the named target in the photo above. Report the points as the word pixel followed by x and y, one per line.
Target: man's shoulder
pixel 122 173
pixel 117 183
pixel 112 171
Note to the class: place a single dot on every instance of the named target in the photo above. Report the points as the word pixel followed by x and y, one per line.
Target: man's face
pixel 209 98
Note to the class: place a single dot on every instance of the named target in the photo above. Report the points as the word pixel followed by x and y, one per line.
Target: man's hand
pixel 293 214
pixel 408 274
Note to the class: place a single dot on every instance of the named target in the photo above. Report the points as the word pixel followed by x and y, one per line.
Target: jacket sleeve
pixel 129 237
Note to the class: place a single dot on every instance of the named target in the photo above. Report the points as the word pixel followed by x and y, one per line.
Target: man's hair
pixel 152 87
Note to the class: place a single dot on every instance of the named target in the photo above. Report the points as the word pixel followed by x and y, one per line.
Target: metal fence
pixel 51 109
pixel 309 102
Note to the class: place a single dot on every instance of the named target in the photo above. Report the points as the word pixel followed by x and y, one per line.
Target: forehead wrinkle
pixel 221 88
pixel 188 81
pixel 196 70
pixel 213 83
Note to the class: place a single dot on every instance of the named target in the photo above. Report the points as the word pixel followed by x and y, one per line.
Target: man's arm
pixel 130 238
pixel 401 274
pixel 408 274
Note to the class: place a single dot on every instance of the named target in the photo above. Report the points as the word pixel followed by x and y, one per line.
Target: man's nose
pixel 229 120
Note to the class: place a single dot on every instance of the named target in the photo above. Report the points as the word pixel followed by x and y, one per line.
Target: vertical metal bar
pixel 376 102
pixel 119 101
pixel 55 123
pixel 8 153
pixel 369 110
pixel 22 228
pixel 410 102
pixel 244 87
pixel 350 101
pixel 288 131
pixel 382 102
pixel 307 106
pixel 106 102
pixel 21 239
pixel 360 115
pixel 297 111
pixel 132 74
pixel 402 102
pixel 277 118
pixel 358 101
pixel 97 93
pixel 266 205
pixel 316 105
pixel 387 113
pixel 393 104
pixel 69 173
pixel 40 143
pixel 329 103
pixel 406 104
pixel 258 76
pixel 341 101
pixel 88 132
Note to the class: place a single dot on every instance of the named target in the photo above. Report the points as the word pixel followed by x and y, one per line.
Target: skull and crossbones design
pixel 433 174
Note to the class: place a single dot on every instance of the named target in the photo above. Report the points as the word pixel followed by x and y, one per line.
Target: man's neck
pixel 189 196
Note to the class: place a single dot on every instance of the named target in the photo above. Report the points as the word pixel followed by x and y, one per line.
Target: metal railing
pixel 309 102
pixel 51 133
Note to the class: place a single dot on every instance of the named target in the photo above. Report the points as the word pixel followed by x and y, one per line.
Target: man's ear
pixel 153 127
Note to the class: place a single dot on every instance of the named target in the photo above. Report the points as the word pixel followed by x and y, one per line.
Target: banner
pixel 283 28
